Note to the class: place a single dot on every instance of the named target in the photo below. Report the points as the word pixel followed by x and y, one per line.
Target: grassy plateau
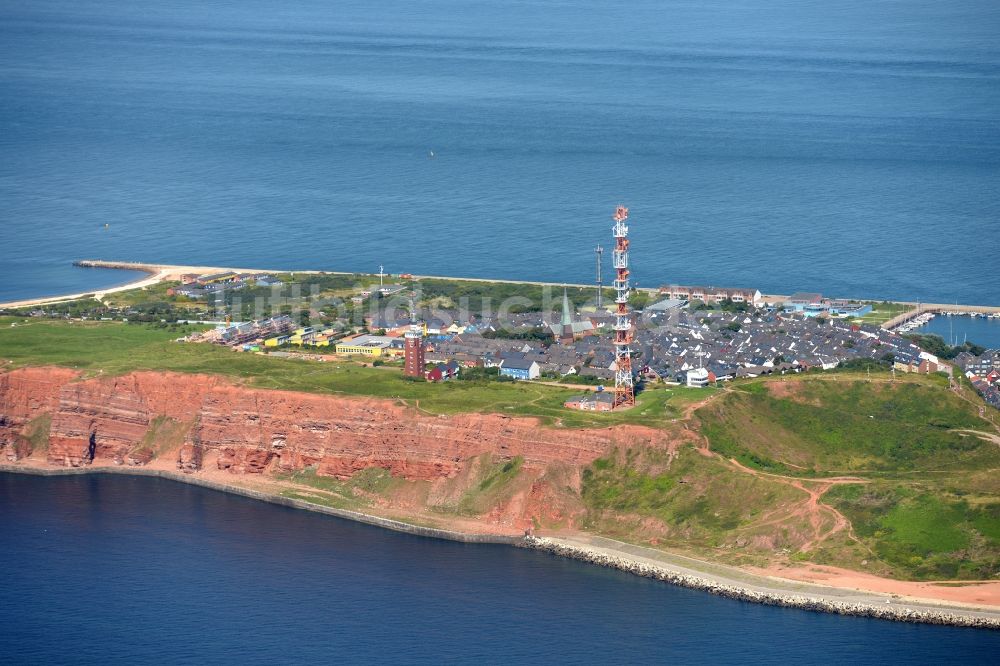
pixel 894 476
pixel 117 348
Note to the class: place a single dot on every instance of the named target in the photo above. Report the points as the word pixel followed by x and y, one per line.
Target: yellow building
pixel 364 345
pixel 349 349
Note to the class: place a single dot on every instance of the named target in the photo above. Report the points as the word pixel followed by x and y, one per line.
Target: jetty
pixel 922 310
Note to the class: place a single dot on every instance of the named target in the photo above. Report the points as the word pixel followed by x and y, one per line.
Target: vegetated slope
pixel 881 476
pixel 488 494
pixel 807 427
pixel 921 495
pixel 692 501
pixel 925 529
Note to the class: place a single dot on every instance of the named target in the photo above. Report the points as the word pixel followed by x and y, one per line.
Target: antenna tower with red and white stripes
pixel 624 329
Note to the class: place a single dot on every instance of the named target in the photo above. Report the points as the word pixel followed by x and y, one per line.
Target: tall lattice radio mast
pixel 624 331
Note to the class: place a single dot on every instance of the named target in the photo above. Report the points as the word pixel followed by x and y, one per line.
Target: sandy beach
pixel 164 272
pixel 156 273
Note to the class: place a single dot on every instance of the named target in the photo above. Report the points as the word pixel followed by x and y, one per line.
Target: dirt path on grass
pixel 823 520
pixel 811 509
pixel 989 437
pixel 689 411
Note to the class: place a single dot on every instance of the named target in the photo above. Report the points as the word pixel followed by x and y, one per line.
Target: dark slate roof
pixel 517 363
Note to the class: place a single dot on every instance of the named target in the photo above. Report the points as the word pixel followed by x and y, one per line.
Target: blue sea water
pixel 107 570
pixel 956 330
pixel 845 146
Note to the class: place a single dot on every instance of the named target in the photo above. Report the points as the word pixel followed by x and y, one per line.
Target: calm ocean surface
pixel 846 146
pixel 956 330
pixel 106 569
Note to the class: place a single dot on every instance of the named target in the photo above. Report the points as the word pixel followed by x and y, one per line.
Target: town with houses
pixel 684 335
pixel 694 336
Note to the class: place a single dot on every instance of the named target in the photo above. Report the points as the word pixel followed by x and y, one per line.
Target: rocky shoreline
pixel 894 612
pixel 271 498
pixel 621 562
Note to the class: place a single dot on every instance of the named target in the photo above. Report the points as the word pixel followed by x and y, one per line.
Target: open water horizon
pixel 846 147
pixel 107 569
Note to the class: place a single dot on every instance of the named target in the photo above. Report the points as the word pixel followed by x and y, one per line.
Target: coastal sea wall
pixel 898 612
pixel 205 430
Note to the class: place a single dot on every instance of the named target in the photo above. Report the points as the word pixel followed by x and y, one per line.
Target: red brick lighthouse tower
pixel 413 349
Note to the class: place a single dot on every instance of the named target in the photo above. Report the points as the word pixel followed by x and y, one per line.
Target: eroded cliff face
pixel 26 396
pixel 196 422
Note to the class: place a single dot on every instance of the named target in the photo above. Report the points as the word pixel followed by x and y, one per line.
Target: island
pixel 795 450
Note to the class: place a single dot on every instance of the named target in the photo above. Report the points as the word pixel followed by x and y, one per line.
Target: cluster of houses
pixel 984 373
pixel 672 343
pixel 199 286
pixel 712 295
pixel 808 304
pixel 248 336
pixel 706 346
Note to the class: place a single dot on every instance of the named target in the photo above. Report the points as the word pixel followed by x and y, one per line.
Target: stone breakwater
pixel 895 612
pixel 898 613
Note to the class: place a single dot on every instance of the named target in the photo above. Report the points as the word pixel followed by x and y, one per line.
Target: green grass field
pixel 117 348
pixel 701 502
pixel 883 312
pixel 821 426
pixel 923 532
pixel 930 506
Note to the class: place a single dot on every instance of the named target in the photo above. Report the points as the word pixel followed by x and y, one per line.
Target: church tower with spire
pixel 566 332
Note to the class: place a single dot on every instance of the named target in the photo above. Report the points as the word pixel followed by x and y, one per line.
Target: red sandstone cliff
pixel 252 431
